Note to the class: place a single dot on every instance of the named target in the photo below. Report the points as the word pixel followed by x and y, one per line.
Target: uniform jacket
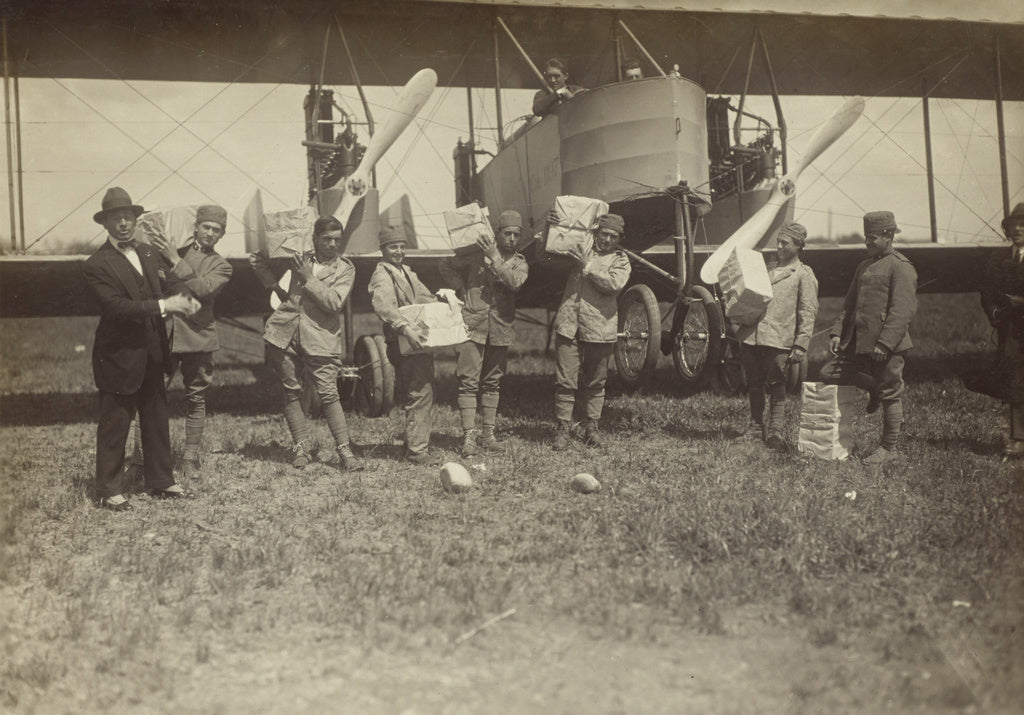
pixel 392 287
pixel 590 302
pixel 544 101
pixel 205 274
pixel 789 320
pixel 130 324
pixel 879 305
pixel 488 290
pixel 312 313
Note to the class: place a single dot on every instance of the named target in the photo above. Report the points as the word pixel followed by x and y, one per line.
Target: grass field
pixel 708 575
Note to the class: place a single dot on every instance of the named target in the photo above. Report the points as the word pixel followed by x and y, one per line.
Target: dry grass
pixel 691 528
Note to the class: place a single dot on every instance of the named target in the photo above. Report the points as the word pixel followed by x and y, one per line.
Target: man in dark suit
pixel 130 355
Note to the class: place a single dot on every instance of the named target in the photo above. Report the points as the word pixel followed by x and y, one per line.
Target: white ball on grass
pixel 455 478
pixel 585 483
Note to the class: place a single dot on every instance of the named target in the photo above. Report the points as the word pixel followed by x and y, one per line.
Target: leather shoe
pixel 175 491
pixel 118 502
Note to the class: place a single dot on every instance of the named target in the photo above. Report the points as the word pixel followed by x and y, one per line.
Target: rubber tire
pixel 638 303
pixel 370 388
pixel 387 374
pixel 796 376
pixel 702 323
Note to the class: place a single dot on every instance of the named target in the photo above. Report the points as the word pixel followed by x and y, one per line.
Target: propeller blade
pixel 753 230
pixel 411 100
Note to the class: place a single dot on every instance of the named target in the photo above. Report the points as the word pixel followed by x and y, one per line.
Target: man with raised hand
pixel 131 354
pixel 871 334
pixel 194 337
pixel 586 329
pixel 486 281
pixel 304 336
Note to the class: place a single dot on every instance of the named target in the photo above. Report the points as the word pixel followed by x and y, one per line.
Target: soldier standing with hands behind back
pixel 487 281
pixel 871 334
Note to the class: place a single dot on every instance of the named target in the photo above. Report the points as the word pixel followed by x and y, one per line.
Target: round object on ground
pixel 585 483
pixel 454 478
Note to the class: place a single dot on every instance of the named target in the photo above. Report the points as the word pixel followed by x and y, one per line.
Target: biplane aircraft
pixel 694 173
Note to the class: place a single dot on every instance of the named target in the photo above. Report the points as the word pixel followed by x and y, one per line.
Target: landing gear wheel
pixel 697 335
pixel 795 376
pixel 636 349
pixel 370 388
pixel 387 374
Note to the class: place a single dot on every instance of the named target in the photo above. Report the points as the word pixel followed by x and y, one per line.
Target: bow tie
pixel 125 245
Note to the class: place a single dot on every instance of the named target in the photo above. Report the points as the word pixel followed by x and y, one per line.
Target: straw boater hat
pixel 116 198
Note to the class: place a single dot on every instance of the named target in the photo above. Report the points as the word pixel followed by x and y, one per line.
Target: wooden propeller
pixel 753 230
pixel 411 100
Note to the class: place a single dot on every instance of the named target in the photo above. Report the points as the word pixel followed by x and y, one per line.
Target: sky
pixel 180 143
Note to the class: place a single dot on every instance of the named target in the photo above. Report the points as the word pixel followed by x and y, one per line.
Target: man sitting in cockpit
pixel 631 69
pixel 557 78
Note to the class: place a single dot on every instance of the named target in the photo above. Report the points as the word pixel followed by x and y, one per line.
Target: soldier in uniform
pixel 780 338
pixel 394 285
pixel 586 328
pixel 1003 300
pixel 304 336
pixel 871 334
pixel 487 281
pixel 194 338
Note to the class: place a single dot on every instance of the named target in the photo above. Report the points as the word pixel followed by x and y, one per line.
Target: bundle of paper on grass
pixel 826 420
pixel 577 219
pixel 439 326
pixel 177 224
pixel 465 224
pixel 746 286
pixel 289 231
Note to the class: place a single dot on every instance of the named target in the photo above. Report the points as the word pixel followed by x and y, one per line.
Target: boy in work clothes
pixel 487 281
pixel 870 335
pixel 394 285
pixel 586 328
pixel 780 337
pixel 304 335
pixel 194 338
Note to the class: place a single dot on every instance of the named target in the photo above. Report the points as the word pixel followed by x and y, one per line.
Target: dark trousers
pixel 115 418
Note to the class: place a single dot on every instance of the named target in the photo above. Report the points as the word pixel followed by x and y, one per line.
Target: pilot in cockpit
pixel 631 69
pixel 557 77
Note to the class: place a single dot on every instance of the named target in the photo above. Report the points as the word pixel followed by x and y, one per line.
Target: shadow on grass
pixel 524 395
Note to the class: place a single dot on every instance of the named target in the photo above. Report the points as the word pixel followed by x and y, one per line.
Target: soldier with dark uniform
pixel 1003 300
pixel 871 337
